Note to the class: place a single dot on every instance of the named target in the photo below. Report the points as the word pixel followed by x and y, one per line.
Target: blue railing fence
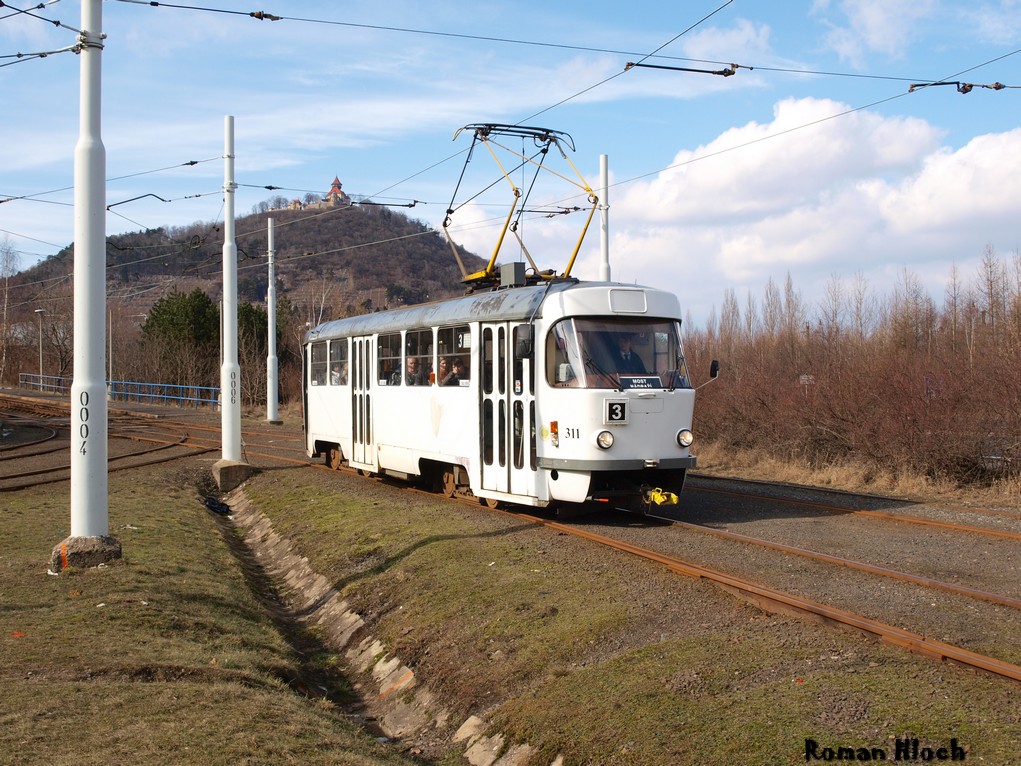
pixel 166 394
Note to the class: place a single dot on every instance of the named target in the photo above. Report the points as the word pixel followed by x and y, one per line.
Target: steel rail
pixel 110 459
pixel 11 447
pixel 762 595
pixel 37 453
pixel 848 493
pixel 836 509
pixel 214 432
pixel 111 468
pixel 768 598
pixel 961 590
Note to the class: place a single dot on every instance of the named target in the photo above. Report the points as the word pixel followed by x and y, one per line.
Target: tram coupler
pixel 657 496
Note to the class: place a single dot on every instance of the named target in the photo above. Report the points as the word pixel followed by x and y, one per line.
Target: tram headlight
pixel 604 440
pixel 685 438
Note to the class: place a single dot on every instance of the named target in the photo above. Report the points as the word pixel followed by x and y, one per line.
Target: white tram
pixel 520 395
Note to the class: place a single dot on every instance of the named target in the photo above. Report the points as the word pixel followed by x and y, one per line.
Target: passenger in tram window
pixel 335 374
pixel 628 361
pixel 413 375
pixel 458 372
pixel 452 371
pixel 442 374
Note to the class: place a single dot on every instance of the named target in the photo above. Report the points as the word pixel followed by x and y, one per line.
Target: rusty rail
pixel 778 600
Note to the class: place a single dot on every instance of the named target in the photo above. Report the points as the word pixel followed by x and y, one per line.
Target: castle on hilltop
pixel 335 197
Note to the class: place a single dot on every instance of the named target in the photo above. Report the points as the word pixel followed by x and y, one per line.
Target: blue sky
pixel 817 162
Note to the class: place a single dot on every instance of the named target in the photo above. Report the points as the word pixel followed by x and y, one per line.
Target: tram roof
pixel 509 304
pixel 517 303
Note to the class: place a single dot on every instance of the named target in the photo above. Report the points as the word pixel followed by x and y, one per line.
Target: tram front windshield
pixel 615 353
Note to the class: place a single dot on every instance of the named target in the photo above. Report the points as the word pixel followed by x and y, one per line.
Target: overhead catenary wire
pixel 914 88
pixel 37 7
pixel 34 196
pixel 263 16
pixel 512 41
pixel 20 57
pixel 962 87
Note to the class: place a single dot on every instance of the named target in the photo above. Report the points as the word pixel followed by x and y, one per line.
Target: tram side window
pixel 453 351
pixel 338 362
pixel 388 358
pixel 559 368
pixel 418 365
pixel 318 364
pixel 521 331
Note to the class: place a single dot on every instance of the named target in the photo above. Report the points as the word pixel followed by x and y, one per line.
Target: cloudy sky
pixel 816 159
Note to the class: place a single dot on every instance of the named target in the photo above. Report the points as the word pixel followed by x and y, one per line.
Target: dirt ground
pixel 598 657
pixel 194 649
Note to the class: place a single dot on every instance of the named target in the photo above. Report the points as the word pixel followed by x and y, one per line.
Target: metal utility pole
pixel 89 543
pixel 604 218
pixel 230 470
pixel 39 313
pixel 230 371
pixel 272 415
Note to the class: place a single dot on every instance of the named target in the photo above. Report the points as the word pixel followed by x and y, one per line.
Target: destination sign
pixel 640 381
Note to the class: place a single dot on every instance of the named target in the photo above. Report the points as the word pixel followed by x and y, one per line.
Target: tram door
pixel 507 410
pixel 361 400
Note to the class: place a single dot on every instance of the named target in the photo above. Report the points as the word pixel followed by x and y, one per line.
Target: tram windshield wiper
pixel 595 369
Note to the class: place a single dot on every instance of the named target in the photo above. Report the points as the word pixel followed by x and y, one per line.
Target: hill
pixel 330 261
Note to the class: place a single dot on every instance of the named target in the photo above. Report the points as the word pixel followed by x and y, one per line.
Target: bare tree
pixel 730 322
pixel 863 309
pixel 793 320
pixel 772 309
pixel 992 283
pixel 832 309
pixel 885 384
pixel 952 308
pixel 752 323
pixel 315 298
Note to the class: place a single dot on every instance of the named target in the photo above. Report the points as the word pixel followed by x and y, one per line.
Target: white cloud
pixel 863 193
pixel 968 189
pixel 721 43
pixel 998 23
pixel 765 169
pixel 875 26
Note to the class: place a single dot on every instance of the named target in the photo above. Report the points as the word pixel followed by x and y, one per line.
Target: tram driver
pixel 628 361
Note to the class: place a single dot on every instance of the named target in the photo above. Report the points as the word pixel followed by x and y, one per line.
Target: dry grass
pixel 604 659
pixel 166 657
pixel 577 651
pixel 749 464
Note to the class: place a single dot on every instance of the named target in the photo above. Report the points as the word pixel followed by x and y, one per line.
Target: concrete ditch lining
pixel 401 705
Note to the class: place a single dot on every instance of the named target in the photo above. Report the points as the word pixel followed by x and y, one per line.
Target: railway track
pixel 166 439
pixel 862 566
pixel 777 600
pixel 187 439
pixel 847 506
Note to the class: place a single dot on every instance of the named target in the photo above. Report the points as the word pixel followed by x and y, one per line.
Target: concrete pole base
pixel 229 474
pixel 84 552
